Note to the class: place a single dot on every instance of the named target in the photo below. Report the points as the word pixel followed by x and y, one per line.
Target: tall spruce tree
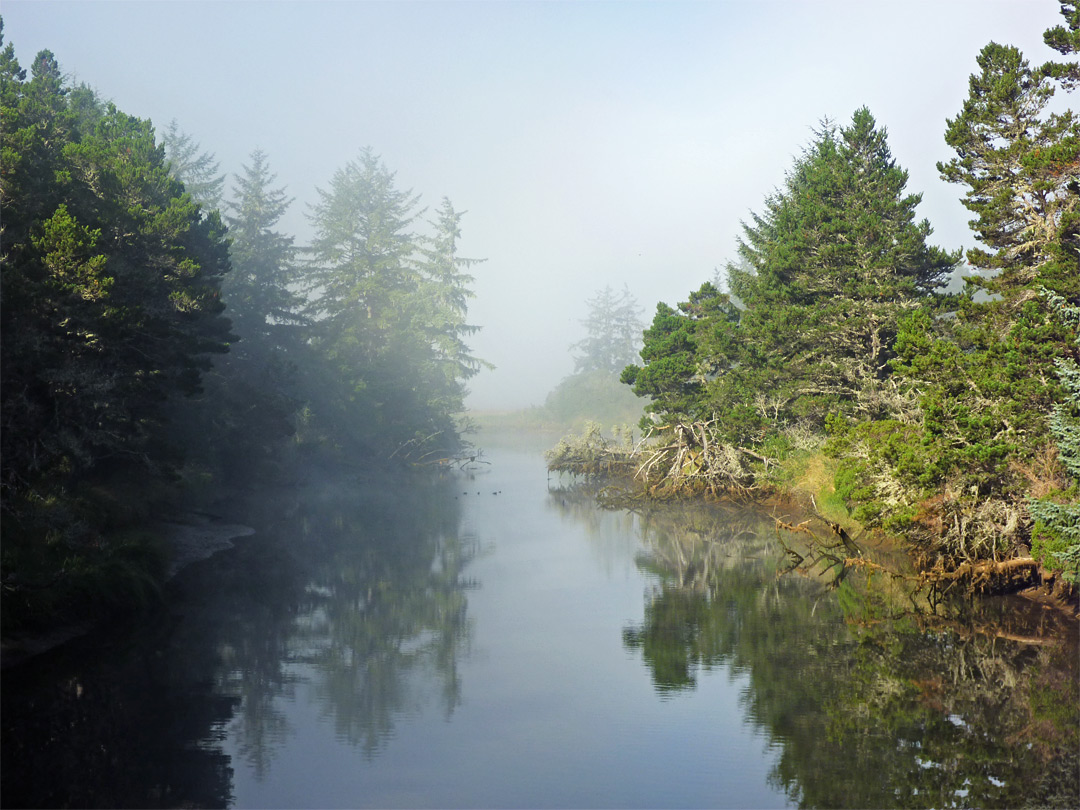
pixel 260 300
pixel 445 290
pixel 387 307
pixel 828 269
pixel 363 279
pixel 236 428
pixel 613 328
pixel 197 170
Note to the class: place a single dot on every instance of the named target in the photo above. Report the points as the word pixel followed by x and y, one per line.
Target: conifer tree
pixel 445 290
pixel 387 307
pixel 613 328
pixel 197 170
pixel 1019 164
pixel 110 309
pixel 1057 531
pixel 682 350
pixel 257 291
pixel 828 270
pixel 1065 39
pixel 985 397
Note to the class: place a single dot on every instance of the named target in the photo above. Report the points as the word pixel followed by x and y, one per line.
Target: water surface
pixel 494 639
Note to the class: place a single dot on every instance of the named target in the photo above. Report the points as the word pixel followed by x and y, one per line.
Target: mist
pixel 589 144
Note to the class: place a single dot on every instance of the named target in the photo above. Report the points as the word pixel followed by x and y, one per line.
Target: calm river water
pixel 495 640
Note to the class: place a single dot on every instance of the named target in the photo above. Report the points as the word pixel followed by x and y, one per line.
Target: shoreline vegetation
pixel 164 339
pixel 687 463
pixel 165 343
pixel 897 387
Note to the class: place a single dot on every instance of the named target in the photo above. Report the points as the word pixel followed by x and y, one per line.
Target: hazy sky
pixel 591 143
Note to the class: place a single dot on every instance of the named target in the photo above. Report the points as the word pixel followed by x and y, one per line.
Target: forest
pixel 162 338
pixel 949 419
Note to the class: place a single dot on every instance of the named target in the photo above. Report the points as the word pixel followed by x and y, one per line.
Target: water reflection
pixel 872 702
pixel 381 617
pixel 314 665
pixel 351 593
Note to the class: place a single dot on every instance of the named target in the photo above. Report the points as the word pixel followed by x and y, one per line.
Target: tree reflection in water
pixel 351 593
pixel 874 699
pixel 380 613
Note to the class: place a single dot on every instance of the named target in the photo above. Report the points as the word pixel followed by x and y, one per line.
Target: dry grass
pixel 815 483
pixel 1044 473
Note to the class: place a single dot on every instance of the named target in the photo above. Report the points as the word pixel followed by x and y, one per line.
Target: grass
pixel 809 475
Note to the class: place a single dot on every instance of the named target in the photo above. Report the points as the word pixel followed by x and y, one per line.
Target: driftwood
pixel 694 462
pixel 591 455
pixel 677 460
pixel 986 576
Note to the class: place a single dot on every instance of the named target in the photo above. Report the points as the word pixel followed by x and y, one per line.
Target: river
pixel 495 639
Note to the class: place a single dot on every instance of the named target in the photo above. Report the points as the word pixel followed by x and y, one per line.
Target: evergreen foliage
pixel 111 280
pixel 828 271
pixel 444 291
pixel 387 310
pixel 947 425
pixel 197 170
pixel 111 308
pixel 1065 39
pixel 1019 166
pixel 235 429
pixel 114 291
pixel 613 328
pixel 1057 530
pixel 831 266
pixel 682 349
pixel 262 304
pixel 589 396
pixel 984 397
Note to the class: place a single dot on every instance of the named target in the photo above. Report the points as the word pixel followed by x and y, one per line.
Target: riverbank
pixel 684 464
pixel 813 488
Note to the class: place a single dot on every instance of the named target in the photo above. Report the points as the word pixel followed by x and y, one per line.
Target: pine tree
pixel 1065 39
pixel 445 292
pixel 829 269
pixel 1020 166
pixel 260 300
pixel 197 170
pixel 613 328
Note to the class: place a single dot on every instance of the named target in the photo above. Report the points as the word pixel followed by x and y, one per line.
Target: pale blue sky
pixel 592 143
